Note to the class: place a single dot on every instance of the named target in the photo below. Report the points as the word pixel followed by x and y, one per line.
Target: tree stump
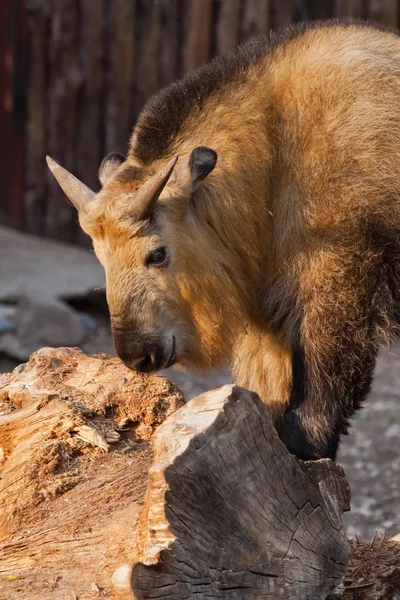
pixel 229 513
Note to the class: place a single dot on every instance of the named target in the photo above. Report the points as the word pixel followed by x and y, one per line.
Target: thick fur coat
pixel 283 258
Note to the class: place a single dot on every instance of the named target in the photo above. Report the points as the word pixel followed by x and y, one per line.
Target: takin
pixel 255 221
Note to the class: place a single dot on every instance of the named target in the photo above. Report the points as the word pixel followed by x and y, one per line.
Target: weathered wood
pixel 89 116
pixel 13 36
pixel 256 18
pixel 147 82
pixel 80 107
pixel 349 8
pixel 197 33
pixel 170 19
pixel 6 99
pixel 120 75
pixel 74 439
pixel 35 185
pixel 227 28
pixel 283 13
pixel 385 12
pixel 229 513
pixel 65 82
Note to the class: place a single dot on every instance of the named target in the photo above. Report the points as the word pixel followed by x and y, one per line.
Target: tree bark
pixel 229 513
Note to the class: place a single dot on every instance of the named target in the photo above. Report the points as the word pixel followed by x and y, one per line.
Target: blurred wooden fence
pixel 75 73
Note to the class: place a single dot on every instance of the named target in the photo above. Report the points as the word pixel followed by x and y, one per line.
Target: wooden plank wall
pixel 75 74
pixel 13 76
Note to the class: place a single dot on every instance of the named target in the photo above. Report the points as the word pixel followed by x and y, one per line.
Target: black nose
pixel 145 358
pixel 150 362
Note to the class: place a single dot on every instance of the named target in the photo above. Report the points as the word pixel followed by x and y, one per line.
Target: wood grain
pixel 229 513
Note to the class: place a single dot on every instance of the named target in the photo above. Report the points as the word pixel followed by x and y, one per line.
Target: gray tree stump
pixel 229 513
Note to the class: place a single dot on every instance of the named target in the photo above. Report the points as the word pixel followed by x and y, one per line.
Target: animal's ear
pixel 109 165
pixel 201 162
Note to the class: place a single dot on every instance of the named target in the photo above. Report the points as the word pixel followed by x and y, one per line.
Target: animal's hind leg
pixel 334 354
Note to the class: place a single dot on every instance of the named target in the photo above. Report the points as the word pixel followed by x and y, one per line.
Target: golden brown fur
pixel 287 257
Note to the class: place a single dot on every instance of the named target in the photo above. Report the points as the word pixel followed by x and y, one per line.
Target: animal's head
pixel 164 278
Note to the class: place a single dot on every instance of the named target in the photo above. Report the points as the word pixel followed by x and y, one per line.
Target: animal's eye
pixel 158 257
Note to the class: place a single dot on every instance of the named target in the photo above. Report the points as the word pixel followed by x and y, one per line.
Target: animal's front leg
pixel 333 362
pixel 262 364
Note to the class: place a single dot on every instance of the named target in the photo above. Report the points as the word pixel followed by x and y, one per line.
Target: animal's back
pixel 318 103
pixel 337 92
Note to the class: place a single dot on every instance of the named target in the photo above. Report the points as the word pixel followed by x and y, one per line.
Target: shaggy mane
pixel 165 113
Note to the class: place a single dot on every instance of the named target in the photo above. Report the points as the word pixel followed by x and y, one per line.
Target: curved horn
pixel 76 191
pixel 147 196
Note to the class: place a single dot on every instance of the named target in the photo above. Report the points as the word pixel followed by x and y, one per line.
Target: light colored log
pixel 228 512
pixel 75 453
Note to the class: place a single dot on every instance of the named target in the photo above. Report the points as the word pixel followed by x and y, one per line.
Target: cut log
pixel 229 513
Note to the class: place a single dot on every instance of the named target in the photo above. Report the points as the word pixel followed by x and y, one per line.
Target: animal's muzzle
pixel 147 357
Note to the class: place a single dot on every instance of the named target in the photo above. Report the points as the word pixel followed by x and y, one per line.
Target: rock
pixel 30 264
pixel 41 320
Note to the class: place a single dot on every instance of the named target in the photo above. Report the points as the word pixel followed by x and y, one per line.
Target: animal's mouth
pixel 172 357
